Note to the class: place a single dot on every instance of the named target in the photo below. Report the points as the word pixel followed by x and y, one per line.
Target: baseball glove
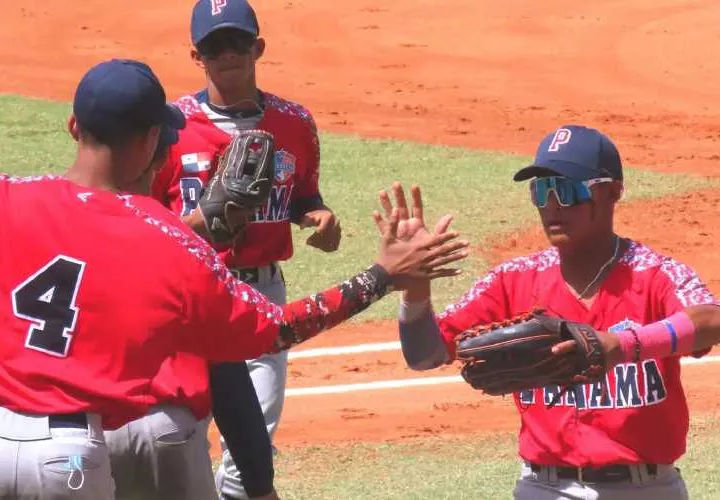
pixel 507 357
pixel 242 183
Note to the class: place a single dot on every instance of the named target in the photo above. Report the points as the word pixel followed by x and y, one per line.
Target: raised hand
pixel 409 252
pixel 411 221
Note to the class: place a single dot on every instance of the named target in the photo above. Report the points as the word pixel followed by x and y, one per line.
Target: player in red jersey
pixel 227 45
pixel 83 342
pixel 613 440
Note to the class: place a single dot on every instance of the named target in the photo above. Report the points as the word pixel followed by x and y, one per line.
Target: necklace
pixel 254 101
pixel 602 269
pixel 233 105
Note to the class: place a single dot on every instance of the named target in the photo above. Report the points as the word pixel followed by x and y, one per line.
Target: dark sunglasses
pixel 232 40
pixel 567 191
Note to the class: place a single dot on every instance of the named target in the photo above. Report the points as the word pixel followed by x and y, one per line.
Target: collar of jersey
pixel 203 98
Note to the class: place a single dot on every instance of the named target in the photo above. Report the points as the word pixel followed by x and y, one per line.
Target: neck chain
pixel 235 104
pixel 603 268
pixel 256 101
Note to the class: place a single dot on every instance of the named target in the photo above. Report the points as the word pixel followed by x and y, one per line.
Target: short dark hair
pixel 115 140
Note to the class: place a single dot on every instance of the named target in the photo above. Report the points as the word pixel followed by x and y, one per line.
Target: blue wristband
pixel 673 335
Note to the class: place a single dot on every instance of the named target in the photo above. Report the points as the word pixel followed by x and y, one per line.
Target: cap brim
pixel 174 120
pixel 237 26
pixel 168 137
pixel 561 168
pixel 174 117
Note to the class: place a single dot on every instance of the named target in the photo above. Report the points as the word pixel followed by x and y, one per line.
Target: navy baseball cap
pixel 576 152
pixel 212 15
pixel 121 96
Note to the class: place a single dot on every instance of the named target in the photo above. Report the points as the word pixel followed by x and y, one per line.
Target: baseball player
pixel 82 343
pixel 225 37
pixel 617 439
pixel 148 454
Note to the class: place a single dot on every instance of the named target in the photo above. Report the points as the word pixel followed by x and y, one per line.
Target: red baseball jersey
pixel 98 289
pixel 639 413
pixel 193 161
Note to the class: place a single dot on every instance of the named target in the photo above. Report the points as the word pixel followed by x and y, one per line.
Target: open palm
pixel 408 225
pixel 411 221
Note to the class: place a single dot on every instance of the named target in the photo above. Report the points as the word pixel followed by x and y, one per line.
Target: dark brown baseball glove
pixel 242 182
pixel 507 357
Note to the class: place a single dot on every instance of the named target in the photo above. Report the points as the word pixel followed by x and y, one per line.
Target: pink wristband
pixel 675 334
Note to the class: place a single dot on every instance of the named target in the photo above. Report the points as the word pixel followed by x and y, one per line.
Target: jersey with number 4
pixel 193 161
pixel 97 290
pixel 638 413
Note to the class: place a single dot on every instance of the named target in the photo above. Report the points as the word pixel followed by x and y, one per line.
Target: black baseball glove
pixel 242 183
pixel 507 357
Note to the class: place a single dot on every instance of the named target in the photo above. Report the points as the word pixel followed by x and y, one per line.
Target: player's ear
pixel 195 56
pixel 259 48
pixel 72 127
pixel 618 189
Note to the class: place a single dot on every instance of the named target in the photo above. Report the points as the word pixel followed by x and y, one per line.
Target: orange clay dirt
pixel 482 74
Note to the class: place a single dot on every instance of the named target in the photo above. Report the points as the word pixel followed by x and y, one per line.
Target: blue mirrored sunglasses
pixel 568 192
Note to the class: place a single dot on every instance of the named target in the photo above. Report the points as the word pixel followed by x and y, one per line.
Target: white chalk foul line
pixel 340 351
pixel 367 386
pixel 416 382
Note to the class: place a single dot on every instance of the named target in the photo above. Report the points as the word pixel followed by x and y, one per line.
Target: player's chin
pixel 229 75
pixel 557 236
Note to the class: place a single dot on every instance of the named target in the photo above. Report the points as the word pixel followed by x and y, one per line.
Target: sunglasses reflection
pixel 568 192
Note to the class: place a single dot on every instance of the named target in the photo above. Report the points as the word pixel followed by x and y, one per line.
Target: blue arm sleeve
pixel 422 343
pixel 301 206
pixel 239 419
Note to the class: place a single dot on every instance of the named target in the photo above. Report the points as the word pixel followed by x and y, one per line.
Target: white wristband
pixel 410 311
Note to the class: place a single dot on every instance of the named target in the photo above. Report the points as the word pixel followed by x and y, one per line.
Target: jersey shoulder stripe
pixel 689 289
pixel 290 108
pixel 32 178
pixel 188 104
pixel 189 241
pixel 537 262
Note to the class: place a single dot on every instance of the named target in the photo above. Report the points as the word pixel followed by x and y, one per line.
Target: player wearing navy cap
pixel 618 438
pixel 227 45
pixel 101 286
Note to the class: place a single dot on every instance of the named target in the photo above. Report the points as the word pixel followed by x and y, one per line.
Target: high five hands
pixel 409 252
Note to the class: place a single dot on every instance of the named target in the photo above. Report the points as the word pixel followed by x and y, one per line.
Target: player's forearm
pixel 305 318
pixel 695 329
pixel 196 222
pixel 422 342
pixel 706 319
pixel 300 206
pixel 419 292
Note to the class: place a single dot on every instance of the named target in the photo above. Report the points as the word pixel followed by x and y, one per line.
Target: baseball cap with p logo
pixel 121 96
pixel 212 15
pixel 576 152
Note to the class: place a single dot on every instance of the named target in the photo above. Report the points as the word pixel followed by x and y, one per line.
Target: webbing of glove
pixel 590 358
pixel 514 355
pixel 243 180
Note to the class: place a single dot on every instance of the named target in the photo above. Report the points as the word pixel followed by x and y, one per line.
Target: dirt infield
pixel 491 75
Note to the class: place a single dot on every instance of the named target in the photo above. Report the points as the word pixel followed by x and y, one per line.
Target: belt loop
pixel 639 473
pixel 552 476
pixel 95 428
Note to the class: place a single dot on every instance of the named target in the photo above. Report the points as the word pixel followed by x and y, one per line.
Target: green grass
pixel 473 185
pixel 469 468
